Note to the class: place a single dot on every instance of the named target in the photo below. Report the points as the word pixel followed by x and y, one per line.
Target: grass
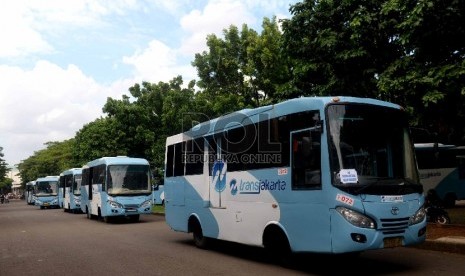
pixel 158 209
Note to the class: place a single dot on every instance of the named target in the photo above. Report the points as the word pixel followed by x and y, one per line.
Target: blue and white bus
pixel 46 192
pixel 70 184
pixel 317 174
pixel 116 187
pixel 442 169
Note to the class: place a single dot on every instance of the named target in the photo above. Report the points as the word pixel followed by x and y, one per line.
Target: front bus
pixel 378 198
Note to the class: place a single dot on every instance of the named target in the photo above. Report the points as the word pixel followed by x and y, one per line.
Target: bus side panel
pixel 96 201
pixel 255 200
pixel 184 199
pixel 446 181
pixel 307 225
pixel 67 199
pixel 84 197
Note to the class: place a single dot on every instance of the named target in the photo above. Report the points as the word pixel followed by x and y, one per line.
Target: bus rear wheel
pixel 200 240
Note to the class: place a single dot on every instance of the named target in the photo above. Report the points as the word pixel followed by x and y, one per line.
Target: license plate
pixel 131 210
pixel 46 204
pixel 392 242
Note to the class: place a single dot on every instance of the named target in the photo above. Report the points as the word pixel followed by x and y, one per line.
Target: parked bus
pixel 46 192
pixel 29 192
pixel 317 174
pixel 442 169
pixel 70 185
pixel 116 187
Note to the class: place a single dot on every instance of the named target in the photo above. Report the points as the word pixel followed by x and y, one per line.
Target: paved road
pixel 52 242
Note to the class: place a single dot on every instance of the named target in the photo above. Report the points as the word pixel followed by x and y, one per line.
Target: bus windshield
pixel 128 179
pixel 46 188
pixel 370 150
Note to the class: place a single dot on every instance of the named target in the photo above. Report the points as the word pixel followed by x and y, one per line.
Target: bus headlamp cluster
pixel 418 217
pixel 77 200
pixel 356 218
pixel 115 204
pixel 146 204
pixel 54 202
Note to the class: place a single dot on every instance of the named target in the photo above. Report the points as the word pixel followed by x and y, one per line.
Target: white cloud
pixel 54 52
pixel 47 103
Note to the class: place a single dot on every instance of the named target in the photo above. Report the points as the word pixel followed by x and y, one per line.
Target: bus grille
pixel 394 226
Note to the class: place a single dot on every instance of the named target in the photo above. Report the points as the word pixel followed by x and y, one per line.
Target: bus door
pixel 217 173
pixel 306 159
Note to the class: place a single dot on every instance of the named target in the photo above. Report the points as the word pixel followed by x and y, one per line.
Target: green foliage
pixel 405 52
pixel 3 166
pixel 55 158
pixel 243 69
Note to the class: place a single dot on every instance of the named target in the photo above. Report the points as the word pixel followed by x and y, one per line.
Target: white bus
pixel 442 169
pixel 116 187
pixel 46 192
pixel 317 174
pixel 70 185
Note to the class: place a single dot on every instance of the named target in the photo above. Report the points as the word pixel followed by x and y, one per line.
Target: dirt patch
pixel 435 231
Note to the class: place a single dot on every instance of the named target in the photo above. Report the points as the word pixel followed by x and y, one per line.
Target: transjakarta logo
pixel 219 175
pixel 254 187
pixel 243 187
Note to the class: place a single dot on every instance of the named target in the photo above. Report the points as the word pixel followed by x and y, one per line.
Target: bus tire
pixel 277 245
pixel 200 240
pixel 88 215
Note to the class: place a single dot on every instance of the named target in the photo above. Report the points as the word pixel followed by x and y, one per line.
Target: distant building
pixel 16 185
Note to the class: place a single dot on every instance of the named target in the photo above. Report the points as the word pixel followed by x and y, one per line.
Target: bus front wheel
pixel 88 215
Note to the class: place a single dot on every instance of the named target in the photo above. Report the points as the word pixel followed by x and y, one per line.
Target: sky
pixel 61 60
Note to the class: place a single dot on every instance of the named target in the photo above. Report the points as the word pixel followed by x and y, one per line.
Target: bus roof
pixel 72 171
pixel 241 117
pixel 118 160
pixel 47 178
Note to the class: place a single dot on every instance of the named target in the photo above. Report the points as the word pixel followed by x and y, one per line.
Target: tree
pixel 242 69
pixel 3 166
pixel 97 139
pixel 55 158
pixel 431 72
pixel 400 51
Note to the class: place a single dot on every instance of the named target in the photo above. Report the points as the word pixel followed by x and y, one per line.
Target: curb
pixel 446 244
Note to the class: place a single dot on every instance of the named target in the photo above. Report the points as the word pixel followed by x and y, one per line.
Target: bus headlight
pixel 77 200
pixel 115 204
pixel 355 218
pixel 418 217
pixel 146 204
pixel 55 201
